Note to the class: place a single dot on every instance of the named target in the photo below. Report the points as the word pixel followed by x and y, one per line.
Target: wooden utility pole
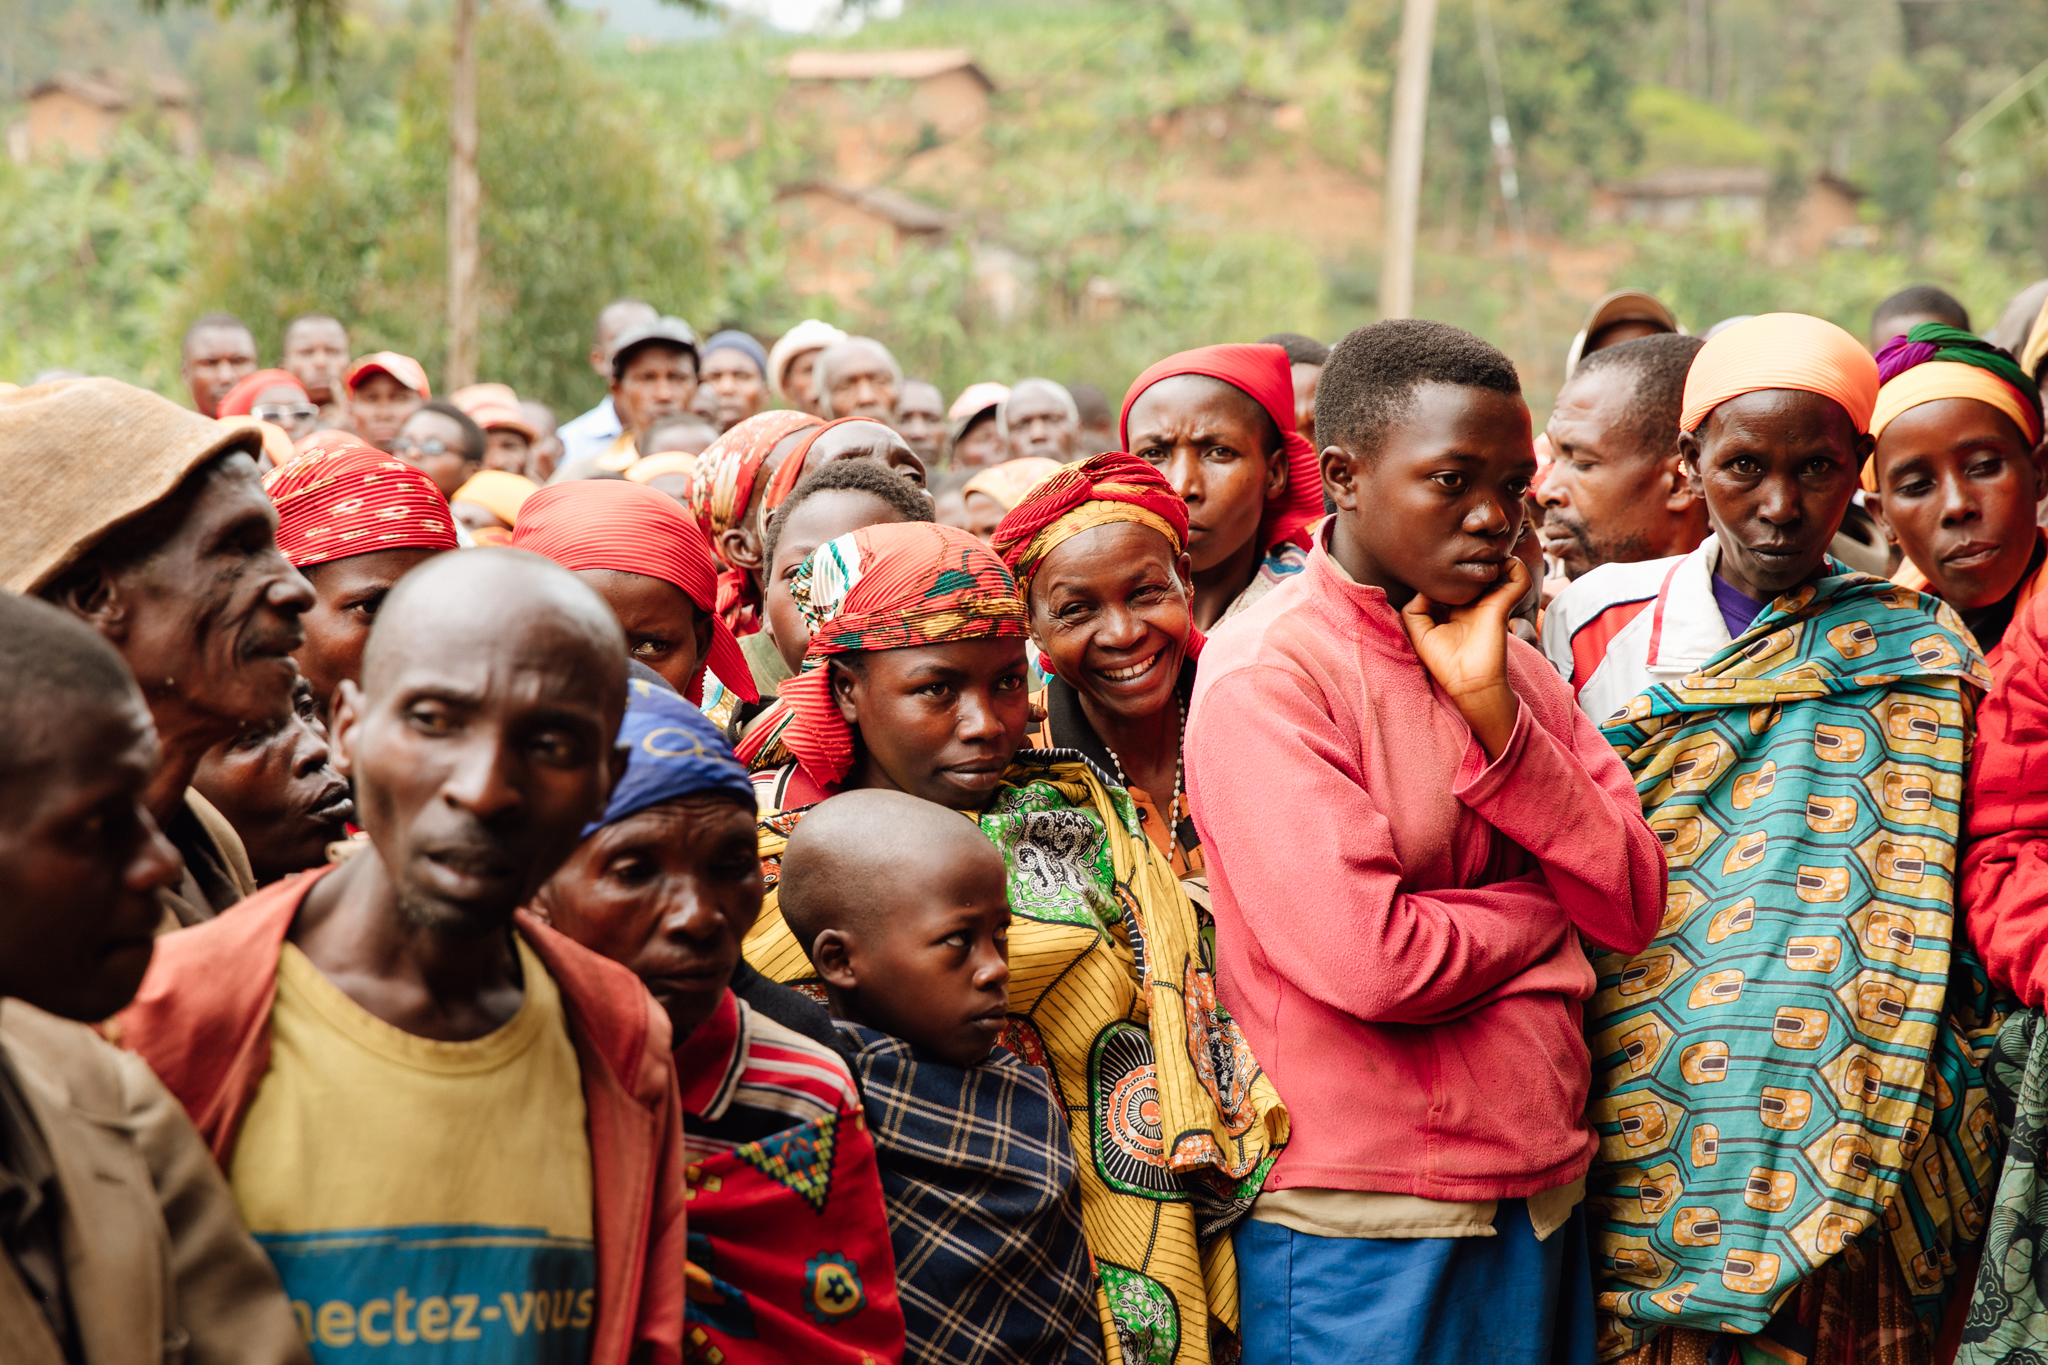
pixel 465 197
pixel 1404 158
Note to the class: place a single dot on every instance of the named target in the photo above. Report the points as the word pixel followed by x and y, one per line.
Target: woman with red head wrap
pixel 354 521
pixel 725 497
pixel 276 397
pixel 915 680
pixel 650 562
pixel 1218 422
pixel 848 438
pixel 1100 555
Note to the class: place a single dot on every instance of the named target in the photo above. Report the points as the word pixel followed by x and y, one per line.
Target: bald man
pixel 450 1108
pixel 858 378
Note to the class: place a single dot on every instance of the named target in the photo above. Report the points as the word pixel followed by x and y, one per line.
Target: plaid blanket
pixel 984 1208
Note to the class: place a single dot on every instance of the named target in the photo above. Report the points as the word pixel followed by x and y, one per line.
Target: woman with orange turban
pixel 1956 475
pixel 1796 1146
pixel 650 563
pixel 1100 555
pixel 918 636
pixel 1218 423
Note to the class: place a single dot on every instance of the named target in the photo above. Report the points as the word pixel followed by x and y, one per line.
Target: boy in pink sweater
pixel 1410 824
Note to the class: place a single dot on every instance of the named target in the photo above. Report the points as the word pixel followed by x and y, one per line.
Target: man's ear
pixel 832 955
pixel 342 719
pixel 91 594
pixel 1340 477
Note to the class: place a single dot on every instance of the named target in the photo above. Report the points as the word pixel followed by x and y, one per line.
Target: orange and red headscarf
pixel 237 401
pixel 338 498
pixel 721 487
pixel 1263 374
pixel 894 586
pixel 631 528
pixel 1099 490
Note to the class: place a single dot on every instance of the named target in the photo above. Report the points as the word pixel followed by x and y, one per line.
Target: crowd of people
pixel 782 867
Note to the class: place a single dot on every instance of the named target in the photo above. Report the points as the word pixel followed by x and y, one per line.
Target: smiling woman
pixel 1100 554
pixel 915 681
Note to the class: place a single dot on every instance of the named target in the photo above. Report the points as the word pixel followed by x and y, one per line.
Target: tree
pixel 2006 146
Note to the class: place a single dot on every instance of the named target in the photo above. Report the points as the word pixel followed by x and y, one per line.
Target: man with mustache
pixel 445 1121
pixel 149 523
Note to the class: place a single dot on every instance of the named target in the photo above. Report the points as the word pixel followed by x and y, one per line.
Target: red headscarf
pixel 1263 374
pixel 791 469
pixel 339 498
pixel 631 528
pixel 242 397
pixel 1101 489
pixel 893 586
pixel 721 487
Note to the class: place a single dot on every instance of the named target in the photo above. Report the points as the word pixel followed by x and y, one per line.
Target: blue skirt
pixel 1503 1300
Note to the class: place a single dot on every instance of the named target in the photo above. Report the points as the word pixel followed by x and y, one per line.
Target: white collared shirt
pixel 1624 628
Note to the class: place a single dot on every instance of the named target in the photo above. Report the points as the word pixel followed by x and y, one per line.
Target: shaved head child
pixel 903 907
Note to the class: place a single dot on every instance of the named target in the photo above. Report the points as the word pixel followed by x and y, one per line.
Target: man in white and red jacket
pixel 1405 961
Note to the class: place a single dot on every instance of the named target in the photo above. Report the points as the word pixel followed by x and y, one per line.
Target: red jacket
pixel 2005 868
pixel 202 1022
pixel 1397 917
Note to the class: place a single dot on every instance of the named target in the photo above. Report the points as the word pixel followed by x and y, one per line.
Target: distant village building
pixel 1825 216
pixel 78 114
pixel 838 234
pixel 884 106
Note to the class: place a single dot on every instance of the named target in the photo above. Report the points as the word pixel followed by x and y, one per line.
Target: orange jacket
pixel 202 1022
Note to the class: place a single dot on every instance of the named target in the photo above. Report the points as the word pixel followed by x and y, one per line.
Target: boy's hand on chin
pixel 1466 652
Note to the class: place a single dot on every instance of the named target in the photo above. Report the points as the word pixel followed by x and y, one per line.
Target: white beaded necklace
pixel 1180 739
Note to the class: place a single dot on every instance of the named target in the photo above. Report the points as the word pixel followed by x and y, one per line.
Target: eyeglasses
pixel 406 446
pixel 284 414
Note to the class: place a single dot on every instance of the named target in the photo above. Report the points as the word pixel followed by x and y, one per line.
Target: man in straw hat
pixel 149 523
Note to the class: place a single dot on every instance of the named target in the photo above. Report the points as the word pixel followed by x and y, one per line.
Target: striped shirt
pixel 745 1077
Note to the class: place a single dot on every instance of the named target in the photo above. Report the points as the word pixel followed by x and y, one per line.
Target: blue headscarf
pixel 674 751
pixel 739 341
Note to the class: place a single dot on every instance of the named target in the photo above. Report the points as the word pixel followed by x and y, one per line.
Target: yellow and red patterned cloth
pixel 722 485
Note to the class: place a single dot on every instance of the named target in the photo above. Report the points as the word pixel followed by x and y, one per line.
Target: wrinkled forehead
pixel 858 439
pixel 488 650
pixel 1779 420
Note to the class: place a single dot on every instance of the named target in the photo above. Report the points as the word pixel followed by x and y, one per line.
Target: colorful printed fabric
pixel 673 750
pixel 1112 991
pixel 789 1231
pixel 2008 1320
pixel 339 498
pixel 1806 784
pixel 1099 490
pixel 721 490
pixel 893 586
pixel 630 528
pixel 984 1210
pixel 1264 374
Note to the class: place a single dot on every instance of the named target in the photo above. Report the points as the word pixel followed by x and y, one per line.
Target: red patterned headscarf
pixel 893 586
pixel 631 528
pixel 1263 374
pixel 721 487
pixel 338 498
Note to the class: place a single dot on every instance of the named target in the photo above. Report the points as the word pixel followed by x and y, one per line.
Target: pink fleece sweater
pixel 1395 915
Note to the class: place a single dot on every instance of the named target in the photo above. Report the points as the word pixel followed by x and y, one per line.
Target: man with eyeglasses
pixel 276 397
pixel 442 442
